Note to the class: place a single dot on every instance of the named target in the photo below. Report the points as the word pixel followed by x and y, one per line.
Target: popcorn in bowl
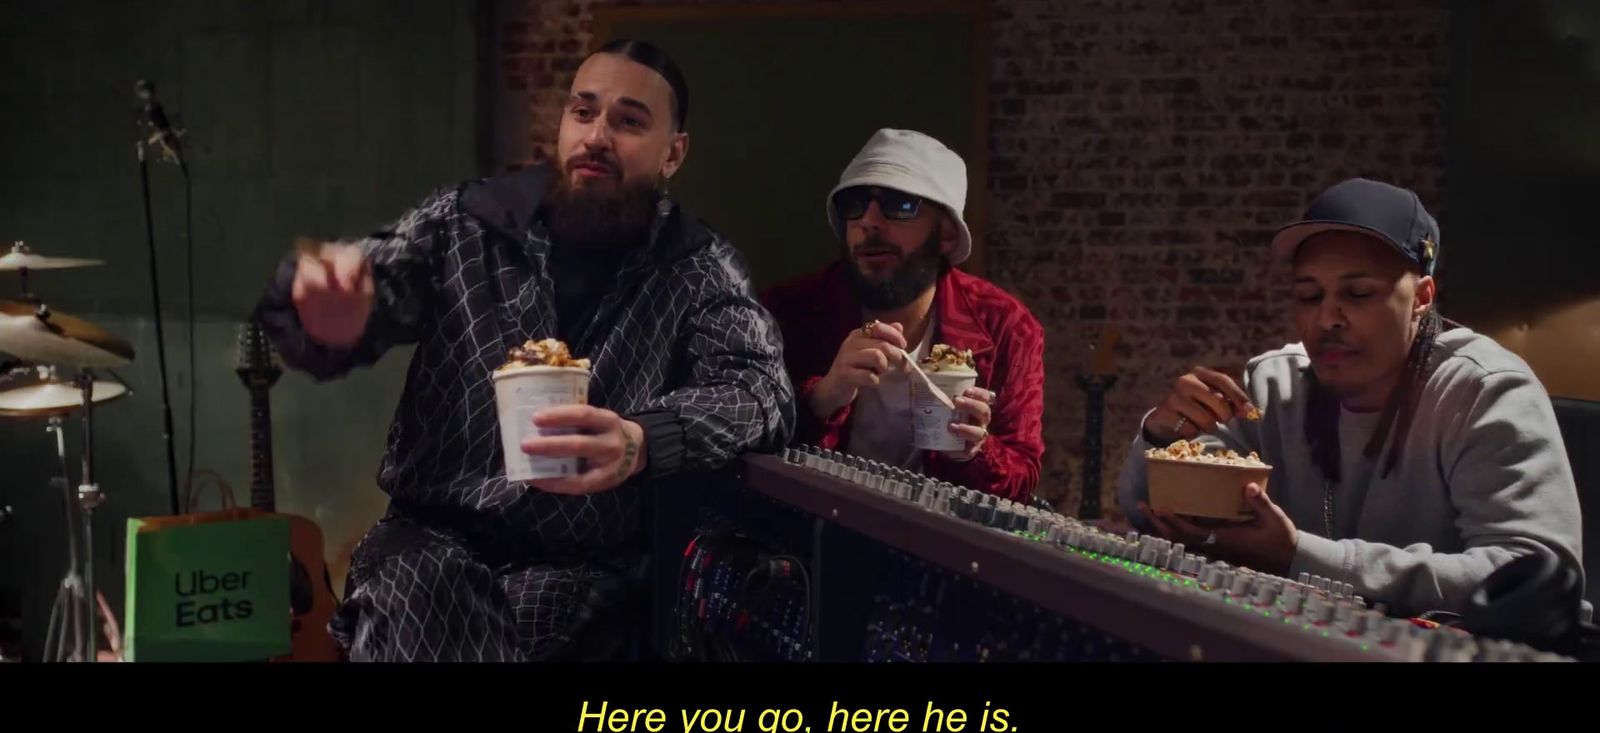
pixel 943 357
pixel 1185 479
pixel 545 352
pixel 539 375
pixel 1184 450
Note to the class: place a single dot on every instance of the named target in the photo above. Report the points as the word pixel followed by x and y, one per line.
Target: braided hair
pixel 1322 413
pixel 657 60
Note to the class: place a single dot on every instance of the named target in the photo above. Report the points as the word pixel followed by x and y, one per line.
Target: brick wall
pixel 1142 151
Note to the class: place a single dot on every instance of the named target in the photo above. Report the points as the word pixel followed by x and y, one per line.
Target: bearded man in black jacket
pixel 687 372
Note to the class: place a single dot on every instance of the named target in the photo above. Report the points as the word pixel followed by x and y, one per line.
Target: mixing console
pixel 740 599
pixel 925 614
pixel 1132 582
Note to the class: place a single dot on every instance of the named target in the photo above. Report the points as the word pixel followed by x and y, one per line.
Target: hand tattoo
pixel 630 451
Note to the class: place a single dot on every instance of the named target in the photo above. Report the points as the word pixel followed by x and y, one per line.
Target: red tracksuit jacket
pixel 816 313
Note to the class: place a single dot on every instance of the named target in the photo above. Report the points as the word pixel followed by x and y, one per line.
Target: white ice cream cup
pixel 930 419
pixel 519 392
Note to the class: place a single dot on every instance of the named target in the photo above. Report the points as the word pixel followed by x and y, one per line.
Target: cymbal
pixel 58 338
pixel 22 257
pixel 43 398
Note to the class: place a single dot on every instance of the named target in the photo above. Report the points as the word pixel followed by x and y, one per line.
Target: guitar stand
pixel 74 613
pixel 66 620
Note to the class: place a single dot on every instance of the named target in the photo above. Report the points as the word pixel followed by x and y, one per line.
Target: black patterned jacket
pixel 680 346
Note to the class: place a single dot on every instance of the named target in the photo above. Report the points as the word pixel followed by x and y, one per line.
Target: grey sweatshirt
pixel 1483 476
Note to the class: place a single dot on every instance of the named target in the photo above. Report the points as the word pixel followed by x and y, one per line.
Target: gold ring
pixel 866 328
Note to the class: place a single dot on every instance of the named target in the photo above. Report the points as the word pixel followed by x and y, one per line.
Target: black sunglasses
pixel 852 203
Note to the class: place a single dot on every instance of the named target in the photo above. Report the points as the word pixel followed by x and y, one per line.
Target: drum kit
pixel 54 376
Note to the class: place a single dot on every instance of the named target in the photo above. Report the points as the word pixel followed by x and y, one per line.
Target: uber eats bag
pixel 210 587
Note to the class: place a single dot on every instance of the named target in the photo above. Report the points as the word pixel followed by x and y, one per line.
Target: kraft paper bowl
pixel 1205 490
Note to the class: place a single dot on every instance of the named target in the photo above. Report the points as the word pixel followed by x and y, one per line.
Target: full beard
pixel 909 280
pixel 602 213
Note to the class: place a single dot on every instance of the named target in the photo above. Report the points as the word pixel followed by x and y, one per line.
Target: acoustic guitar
pixel 311 598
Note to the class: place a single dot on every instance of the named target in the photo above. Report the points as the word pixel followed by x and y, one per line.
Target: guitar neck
pixel 1094 391
pixel 262 492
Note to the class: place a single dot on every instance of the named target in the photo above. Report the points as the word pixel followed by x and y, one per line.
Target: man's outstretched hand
pixel 333 293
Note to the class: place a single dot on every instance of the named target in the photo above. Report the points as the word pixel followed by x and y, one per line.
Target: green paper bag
pixel 208 588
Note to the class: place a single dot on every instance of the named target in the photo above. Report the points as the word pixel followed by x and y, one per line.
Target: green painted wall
pixel 314 117
pixel 771 133
pixel 1522 158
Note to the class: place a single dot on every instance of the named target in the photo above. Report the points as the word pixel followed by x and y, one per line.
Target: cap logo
pixel 1427 247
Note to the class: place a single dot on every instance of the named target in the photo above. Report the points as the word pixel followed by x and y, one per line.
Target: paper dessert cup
pixel 521 391
pixel 1205 490
pixel 930 418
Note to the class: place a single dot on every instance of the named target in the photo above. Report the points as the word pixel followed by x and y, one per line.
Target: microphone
pixel 163 134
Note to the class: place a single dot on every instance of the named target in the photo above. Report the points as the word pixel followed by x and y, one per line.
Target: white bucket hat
pixel 914 163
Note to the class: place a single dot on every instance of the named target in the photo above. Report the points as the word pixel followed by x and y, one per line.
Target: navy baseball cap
pixel 1389 213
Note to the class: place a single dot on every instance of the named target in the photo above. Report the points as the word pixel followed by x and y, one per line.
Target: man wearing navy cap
pixel 1411 456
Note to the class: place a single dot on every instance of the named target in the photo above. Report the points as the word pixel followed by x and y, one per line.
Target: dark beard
pixel 602 214
pixel 910 280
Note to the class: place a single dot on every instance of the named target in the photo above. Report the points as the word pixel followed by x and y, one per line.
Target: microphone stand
pixel 161 341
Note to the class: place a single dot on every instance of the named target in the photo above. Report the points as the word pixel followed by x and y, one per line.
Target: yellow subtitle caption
pixel 603 717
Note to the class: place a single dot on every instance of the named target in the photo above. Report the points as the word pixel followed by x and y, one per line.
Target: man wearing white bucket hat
pixel 895 294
